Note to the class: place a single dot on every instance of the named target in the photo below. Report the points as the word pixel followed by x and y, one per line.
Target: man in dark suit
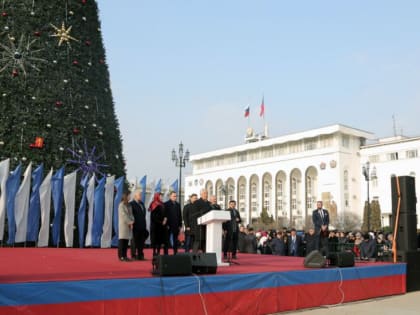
pixel 320 217
pixel 186 214
pixel 140 233
pixel 231 231
pixel 173 213
pixel 294 243
pixel 199 208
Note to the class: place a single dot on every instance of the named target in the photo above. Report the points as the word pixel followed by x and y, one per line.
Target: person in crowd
pixel 173 213
pixel 125 226
pixel 356 244
pixel 323 241
pixel 186 215
pixel 251 242
pixel 199 208
pixel 320 217
pixel 389 242
pixel 311 241
pixel 278 245
pixel 241 239
pixel 380 246
pixel 213 203
pixel 367 248
pixel 294 241
pixel 231 231
pixel 140 232
pixel 332 242
pixel 342 241
pixel 158 225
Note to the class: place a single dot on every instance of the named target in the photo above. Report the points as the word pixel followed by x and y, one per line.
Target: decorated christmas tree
pixel 56 104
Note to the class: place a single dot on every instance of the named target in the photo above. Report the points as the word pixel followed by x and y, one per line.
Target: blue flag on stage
pixel 81 215
pixel 119 185
pixel 174 186
pixel 34 212
pixel 57 195
pixel 12 187
pixel 143 188
pixel 158 187
pixel 98 213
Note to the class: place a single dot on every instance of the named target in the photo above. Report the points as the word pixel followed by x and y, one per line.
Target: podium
pixel 214 220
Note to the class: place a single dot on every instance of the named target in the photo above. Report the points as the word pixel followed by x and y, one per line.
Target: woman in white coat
pixel 125 226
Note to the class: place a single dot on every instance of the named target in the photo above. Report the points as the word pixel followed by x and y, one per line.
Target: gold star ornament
pixel 63 34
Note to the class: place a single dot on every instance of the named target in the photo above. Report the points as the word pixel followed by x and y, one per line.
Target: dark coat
pixel 279 246
pixel 318 221
pixel 311 243
pixel 215 207
pixel 232 226
pixel 173 213
pixel 199 208
pixel 139 213
pixel 186 216
pixel 158 232
pixel 368 249
pixel 250 244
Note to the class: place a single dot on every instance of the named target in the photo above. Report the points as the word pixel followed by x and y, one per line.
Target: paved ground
pixel 407 304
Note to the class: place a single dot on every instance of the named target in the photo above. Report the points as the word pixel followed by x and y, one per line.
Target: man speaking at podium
pixel 199 208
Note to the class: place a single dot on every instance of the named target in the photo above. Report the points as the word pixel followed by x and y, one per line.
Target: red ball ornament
pixel 75 63
pixel 101 61
pixel 37 34
pixel 88 42
pixel 4 14
pixel 84 1
pixel 15 73
pixel 58 103
pixel 76 131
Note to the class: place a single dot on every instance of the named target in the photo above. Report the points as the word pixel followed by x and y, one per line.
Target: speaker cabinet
pixel 407 232
pixel 175 265
pixel 412 258
pixel 204 263
pixel 341 259
pixel 314 260
pixel 407 193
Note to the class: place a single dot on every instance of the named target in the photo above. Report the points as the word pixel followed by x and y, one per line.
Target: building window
pixel 310 144
pixel 294 186
pixel 326 141
pixel 393 156
pixel 309 192
pixel 374 158
pixel 346 180
pixel 411 154
pixel 267 195
pixel 294 204
pixel 242 157
pixel 242 198
pixel 254 197
pixel 345 141
pixel 279 195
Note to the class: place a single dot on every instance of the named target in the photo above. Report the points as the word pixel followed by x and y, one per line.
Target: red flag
pixel 262 108
pixel 246 111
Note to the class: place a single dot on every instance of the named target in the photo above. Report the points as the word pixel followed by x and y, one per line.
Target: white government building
pixel 288 174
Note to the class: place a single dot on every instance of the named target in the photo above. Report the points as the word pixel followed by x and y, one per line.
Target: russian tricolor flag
pixel 246 111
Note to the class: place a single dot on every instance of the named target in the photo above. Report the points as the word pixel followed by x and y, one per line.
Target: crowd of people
pixel 171 227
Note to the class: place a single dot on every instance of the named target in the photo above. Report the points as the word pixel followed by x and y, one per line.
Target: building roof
pixel 390 140
pixel 286 138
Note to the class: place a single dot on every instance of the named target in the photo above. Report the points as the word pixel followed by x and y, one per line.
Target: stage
pixel 93 281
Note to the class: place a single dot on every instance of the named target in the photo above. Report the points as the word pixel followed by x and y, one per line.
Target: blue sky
pixel 185 70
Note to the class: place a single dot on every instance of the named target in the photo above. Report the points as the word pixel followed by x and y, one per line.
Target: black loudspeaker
pixel 407 232
pixel 204 263
pixel 412 258
pixel 341 259
pixel 174 265
pixel 314 260
pixel 407 192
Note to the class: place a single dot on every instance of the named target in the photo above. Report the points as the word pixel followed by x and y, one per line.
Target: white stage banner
pixel 45 201
pixel 109 205
pixel 22 205
pixel 69 192
pixel 90 196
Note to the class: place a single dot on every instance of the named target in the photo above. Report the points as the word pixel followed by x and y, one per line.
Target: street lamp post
pixel 366 173
pixel 180 160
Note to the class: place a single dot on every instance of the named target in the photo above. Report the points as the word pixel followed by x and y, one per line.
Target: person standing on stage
pixel 186 215
pixel 125 226
pixel 231 231
pixel 199 208
pixel 158 226
pixel 320 217
pixel 173 213
pixel 140 232
pixel 213 203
